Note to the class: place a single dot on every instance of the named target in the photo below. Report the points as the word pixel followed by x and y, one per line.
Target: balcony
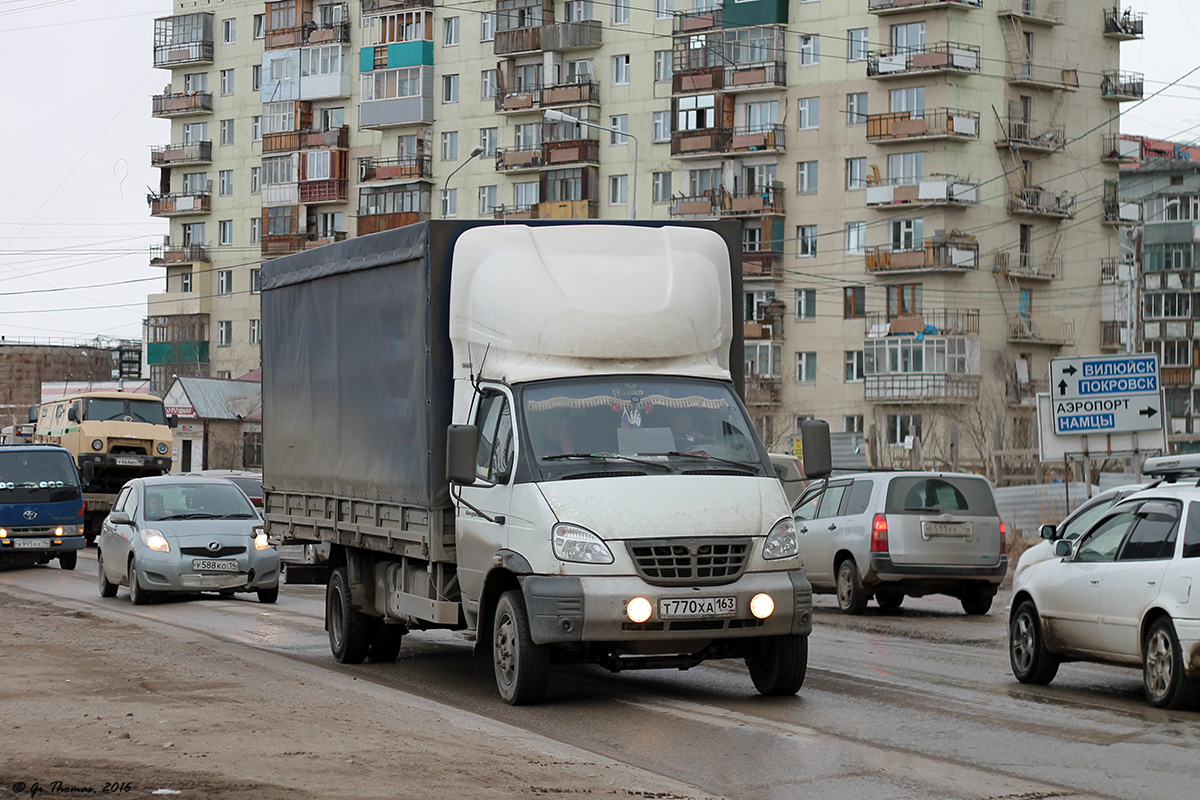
pixel 942 57
pixel 181 104
pixel 1176 376
pixel 384 6
pixel 932 123
pixel 1038 202
pixel 181 204
pixel 1122 86
pixel 921 388
pixel 1054 76
pixel 700 143
pixel 1026 266
pixel 169 255
pixel 1051 331
pixel 566 36
pixel 761 75
pixel 398 170
pixel 767 328
pixel 326 190
pixel 761 202
pixel 1112 335
pixel 763 391
pixel 286 193
pixel 563 94
pixel 519 25
pixel 758 139
pixel 1124 25
pixel 884 7
pixel 518 41
pixel 948 191
pixel 704 205
pixel 1022 393
pixel 698 79
pixel 943 321
pixel 1034 12
pixel 568 209
pixel 308 139
pixel 184 40
pixel 1030 136
pixel 310 33
pixel 697 21
pixel 516 212
pixel 1116 270
pixel 1116 149
pixel 287 243
pixel 570 152
pixel 519 159
pixel 1114 211
pixel 946 255
pixel 169 155
pixel 760 265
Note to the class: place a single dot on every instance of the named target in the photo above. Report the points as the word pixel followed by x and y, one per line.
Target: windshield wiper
pixel 605 457
pixel 193 515
pixel 749 468
pixel 239 516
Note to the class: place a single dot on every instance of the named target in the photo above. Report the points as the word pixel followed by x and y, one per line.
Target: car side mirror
pixel 120 518
pixel 173 421
pixel 72 414
pixel 818 458
pixel 462 442
pixel 1048 532
pixel 1063 548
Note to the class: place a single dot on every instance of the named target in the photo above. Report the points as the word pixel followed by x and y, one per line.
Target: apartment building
pixel 921 182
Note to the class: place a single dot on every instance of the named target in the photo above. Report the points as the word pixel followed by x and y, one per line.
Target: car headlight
pixel 156 541
pixel 97 444
pixel 781 541
pixel 162 448
pixel 260 541
pixel 573 543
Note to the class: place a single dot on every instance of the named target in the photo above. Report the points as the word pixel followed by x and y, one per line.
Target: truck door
pixel 481 535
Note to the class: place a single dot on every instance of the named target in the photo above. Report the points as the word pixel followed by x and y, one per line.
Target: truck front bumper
pixel 592 608
pixel 17 546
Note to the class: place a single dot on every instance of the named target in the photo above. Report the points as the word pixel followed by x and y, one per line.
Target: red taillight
pixel 1003 539
pixel 879 542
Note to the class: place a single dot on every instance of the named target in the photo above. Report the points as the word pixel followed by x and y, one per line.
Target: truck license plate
pixel 215 564
pixel 31 544
pixel 962 529
pixel 697 607
pixel 127 461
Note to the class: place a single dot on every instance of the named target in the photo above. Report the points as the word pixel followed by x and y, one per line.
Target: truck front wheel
pixel 350 631
pixel 522 667
pixel 779 664
pixel 67 559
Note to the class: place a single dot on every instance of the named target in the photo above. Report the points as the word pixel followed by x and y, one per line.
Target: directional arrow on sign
pixel 1069 370
pixel 1062 387
pixel 1148 411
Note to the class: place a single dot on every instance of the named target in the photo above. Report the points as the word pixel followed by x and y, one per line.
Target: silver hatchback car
pixel 185 534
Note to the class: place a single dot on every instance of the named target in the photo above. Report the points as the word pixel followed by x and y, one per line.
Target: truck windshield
pixel 685 424
pixel 111 408
pixel 33 476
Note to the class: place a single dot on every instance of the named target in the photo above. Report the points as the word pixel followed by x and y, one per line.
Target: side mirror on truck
pixel 33 413
pixel 173 421
pixel 818 458
pixel 462 442
pixel 72 414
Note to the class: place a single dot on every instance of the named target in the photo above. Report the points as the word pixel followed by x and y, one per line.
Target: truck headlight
pixel 573 543
pixel 97 444
pixel 162 448
pixel 781 541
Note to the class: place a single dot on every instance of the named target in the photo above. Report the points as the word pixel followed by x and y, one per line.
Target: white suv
pixel 892 534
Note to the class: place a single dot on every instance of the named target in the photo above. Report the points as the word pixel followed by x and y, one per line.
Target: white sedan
pixel 1120 594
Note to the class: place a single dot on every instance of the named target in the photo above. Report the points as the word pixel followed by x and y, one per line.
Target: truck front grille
pixel 693 562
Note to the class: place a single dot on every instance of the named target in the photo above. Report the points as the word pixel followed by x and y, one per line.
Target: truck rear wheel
pixel 386 644
pixel 350 630
pixel 779 665
pixel 522 667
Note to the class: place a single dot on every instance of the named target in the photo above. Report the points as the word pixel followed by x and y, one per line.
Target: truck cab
pixel 41 506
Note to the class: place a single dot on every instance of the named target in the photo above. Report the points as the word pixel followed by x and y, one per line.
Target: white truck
pixel 531 434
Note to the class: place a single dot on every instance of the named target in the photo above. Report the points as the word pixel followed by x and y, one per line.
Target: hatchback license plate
pixel 215 565
pixel 959 529
pixel 697 607
pixel 31 544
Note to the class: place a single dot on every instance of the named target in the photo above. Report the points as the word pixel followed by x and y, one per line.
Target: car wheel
pixel 977 600
pixel 350 630
pixel 522 667
pixel 1162 669
pixel 137 595
pixel 107 589
pixel 268 595
pixel 852 597
pixel 1031 662
pixel 386 644
pixel 68 559
pixel 889 601
pixel 778 665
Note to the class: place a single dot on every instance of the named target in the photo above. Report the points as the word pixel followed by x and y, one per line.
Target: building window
pixel 900 426
pixel 449 88
pixel 620 12
pixel 854 302
pixel 195 132
pixel 664 9
pixel 488 83
pixel 487 26
pixel 662 126
pixel 806 304
pixel 661 184
pixel 260 26
pixel 226 81
pixel 489 139
pixel 620 70
pixel 621 123
pixel 255 77
pixel 450 31
pixel 255 180
pixel 856 173
pixel 528 136
pixel 806 241
pixel 907 234
pixel 810 49
pixel 225 182
pixel 696 112
pixel 852 423
pixel 806 177
pixel 906 168
pixel 1168 305
pixel 806 367
pixel 256 129
pixel 255 331
pixel 856 238
pixel 903 300
pixel 856 108
pixel 185 282
pixel 859 46
pixel 228 31
pixel 224 280
pixel 487 200
pixel 449 145
pixel 1175 353
pixel 763 360
pixel 255 280
pixel 450 203
pixel 224 333
pixel 225 232
pixel 526 195
pixel 809 109
pixel 255 230
pixel 854 365
pixel 618 190
pixel 663 69
pixel 226 131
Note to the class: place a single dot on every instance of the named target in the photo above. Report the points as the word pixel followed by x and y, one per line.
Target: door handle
pixel 1152 583
pixel 804 530
pixel 832 527
pixel 1094 581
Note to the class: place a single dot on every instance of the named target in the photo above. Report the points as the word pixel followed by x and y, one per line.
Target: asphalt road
pixel 914 704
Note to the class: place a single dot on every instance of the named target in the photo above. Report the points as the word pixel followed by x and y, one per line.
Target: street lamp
pixel 557 116
pixel 476 150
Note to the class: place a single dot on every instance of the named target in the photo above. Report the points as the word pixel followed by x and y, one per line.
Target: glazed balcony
pixel 385 6
pixel 1027 266
pixel 1030 136
pixel 184 40
pixel 941 57
pixel 519 159
pixel 399 170
pixel 1122 86
pixel 938 321
pixel 933 123
pixel 1041 329
pixel 884 7
pixel 946 255
pixel 567 36
pixel 1124 25
pixel 568 209
pixel 170 255
pixel 180 204
pixel 697 21
pixel 760 75
pixel 286 193
pixel 516 212
pixel 570 152
pixel 762 265
pixel 1038 202
pixel 923 387
pixel 181 104
pixel 945 190
pixel 1034 12
pixel 700 143
pixel 171 155
pixel 1053 76
pixel 307 139
pixel 288 243
pixel 325 190
pixel 1116 149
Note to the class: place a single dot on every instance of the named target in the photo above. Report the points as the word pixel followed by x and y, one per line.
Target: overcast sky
pixel 75 230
